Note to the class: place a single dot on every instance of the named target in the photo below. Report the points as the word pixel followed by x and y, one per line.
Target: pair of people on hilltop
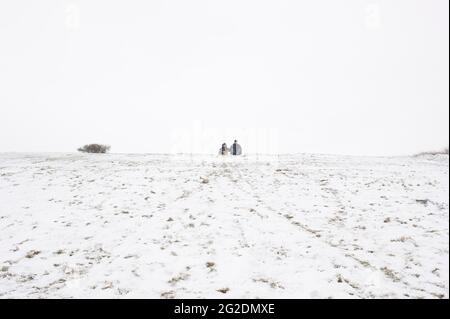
pixel 234 149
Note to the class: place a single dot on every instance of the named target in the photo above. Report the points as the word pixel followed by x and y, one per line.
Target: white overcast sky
pixel 347 77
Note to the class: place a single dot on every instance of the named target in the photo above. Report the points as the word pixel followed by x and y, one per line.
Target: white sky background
pixel 345 77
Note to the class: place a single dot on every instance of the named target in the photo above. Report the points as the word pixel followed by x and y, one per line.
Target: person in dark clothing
pixel 236 149
pixel 224 149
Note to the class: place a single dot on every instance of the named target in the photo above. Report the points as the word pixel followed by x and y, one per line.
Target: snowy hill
pixel 161 226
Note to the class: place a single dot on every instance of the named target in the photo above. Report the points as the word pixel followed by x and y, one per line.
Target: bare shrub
pixel 441 152
pixel 94 148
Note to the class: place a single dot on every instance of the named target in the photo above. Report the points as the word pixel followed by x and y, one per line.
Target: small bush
pixel 441 152
pixel 94 148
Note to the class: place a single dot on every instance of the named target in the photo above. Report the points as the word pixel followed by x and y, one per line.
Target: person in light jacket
pixel 235 149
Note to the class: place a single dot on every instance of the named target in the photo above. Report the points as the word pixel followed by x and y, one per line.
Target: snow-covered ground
pixel 180 226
